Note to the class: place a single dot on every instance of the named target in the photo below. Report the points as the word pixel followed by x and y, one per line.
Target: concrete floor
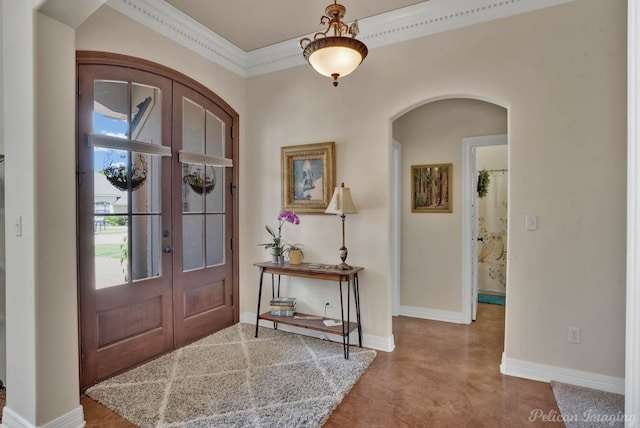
pixel 439 375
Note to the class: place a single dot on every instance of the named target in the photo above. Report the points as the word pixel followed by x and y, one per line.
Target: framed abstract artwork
pixel 431 188
pixel 308 177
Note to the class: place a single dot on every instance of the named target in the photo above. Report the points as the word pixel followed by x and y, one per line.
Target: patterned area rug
pixel 233 379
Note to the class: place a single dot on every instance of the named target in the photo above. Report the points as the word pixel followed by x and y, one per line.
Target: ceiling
pixel 251 24
pixel 254 37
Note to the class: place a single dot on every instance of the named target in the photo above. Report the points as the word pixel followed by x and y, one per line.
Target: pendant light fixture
pixel 337 54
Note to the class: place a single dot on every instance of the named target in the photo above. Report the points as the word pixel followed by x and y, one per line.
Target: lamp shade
pixel 341 202
pixel 335 56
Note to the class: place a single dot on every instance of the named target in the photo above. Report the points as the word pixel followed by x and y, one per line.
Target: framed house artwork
pixel 308 177
pixel 431 188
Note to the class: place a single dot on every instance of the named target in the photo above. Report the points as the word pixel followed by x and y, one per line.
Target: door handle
pixel 167 250
pixel 480 239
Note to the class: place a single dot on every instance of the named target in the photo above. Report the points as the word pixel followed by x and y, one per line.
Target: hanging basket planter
pixel 199 184
pixel 116 173
pixel 122 183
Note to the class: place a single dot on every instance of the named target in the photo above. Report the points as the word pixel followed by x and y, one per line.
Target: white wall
pixel 431 255
pixel 42 339
pixel 559 71
pixel 55 160
pixel 492 157
pixel 19 124
pixel 567 156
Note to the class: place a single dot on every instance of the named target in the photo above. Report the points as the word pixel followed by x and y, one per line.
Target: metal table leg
pixel 259 298
pixel 273 293
pixel 345 348
pixel 348 314
pixel 356 296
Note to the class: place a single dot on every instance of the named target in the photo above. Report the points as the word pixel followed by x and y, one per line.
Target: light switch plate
pixel 531 222
pixel 17 225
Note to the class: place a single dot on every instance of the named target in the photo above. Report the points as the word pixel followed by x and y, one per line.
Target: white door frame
pixel 632 352
pixel 469 196
pixel 396 221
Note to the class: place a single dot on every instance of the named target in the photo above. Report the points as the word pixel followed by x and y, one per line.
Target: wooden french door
pixel 156 213
pixel 202 271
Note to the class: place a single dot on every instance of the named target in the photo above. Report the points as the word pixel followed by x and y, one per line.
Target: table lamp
pixel 342 204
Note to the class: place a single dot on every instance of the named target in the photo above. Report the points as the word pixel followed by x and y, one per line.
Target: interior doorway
pixel 493 192
pixel 484 224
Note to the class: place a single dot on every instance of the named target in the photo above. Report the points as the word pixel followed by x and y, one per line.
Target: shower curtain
pixel 492 234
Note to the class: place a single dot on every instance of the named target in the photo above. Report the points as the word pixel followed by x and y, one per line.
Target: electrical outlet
pixel 574 335
pixel 327 305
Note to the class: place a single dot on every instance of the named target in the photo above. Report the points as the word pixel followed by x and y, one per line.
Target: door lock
pixel 167 250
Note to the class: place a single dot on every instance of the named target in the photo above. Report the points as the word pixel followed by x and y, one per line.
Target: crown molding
pixel 169 21
pixel 420 20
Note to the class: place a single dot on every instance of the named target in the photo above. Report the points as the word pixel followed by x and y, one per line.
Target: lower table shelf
pixel 312 323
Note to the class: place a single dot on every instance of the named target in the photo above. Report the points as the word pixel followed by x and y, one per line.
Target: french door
pixel 202 271
pixel 156 216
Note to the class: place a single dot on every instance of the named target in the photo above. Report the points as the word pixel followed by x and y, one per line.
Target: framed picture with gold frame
pixel 308 177
pixel 431 188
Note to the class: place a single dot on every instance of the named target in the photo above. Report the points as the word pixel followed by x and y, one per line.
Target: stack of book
pixel 283 306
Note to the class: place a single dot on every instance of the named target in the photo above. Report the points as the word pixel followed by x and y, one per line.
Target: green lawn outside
pixel 108 250
pixel 113 230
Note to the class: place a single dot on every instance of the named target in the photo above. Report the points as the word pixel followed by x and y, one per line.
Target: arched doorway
pixel 430 266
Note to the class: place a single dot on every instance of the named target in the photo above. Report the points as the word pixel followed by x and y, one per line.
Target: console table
pixel 324 272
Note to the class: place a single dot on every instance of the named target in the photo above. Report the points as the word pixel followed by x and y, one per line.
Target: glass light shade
pixel 334 56
pixel 338 60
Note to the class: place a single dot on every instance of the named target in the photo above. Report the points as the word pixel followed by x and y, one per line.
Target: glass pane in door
pixel 146 114
pixel 110 169
pixel 215 198
pixel 146 195
pixel 215 239
pixel 127 185
pixel 110 108
pixel 192 127
pixel 192 242
pixel 145 247
pixel 203 197
pixel 110 249
pixel 214 136
pixel 195 183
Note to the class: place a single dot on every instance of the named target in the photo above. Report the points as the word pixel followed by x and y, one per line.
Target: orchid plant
pixel 286 216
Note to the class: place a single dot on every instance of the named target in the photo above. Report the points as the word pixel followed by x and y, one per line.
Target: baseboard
pixel 431 314
pixel 379 343
pixel 546 373
pixel 72 419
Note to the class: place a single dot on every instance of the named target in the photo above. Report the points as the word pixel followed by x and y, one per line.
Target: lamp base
pixel 343 256
pixel 343 266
